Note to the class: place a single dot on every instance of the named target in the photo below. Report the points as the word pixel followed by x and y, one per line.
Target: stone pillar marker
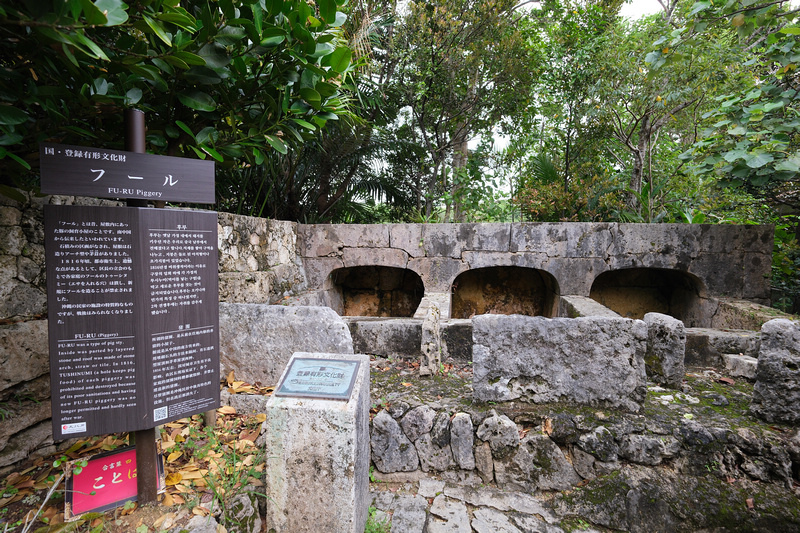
pixel 317 448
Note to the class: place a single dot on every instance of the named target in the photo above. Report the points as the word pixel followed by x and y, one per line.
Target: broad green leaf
pixel 213 153
pixel 791 30
pixel 277 144
pixel 185 128
pixel 114 11
pixel 206 135
pixel 758 160
pixel 230 35
pixel 302 123
pixel 311 96
pixel 158 29
pixel 5 153
pixel 11 116
pixel 94 16
pixel 327 10
pixel 733 155
pixel 340 59
pixel 179 19
pixel 10 139
pixel 214 55
pixel 737 130
pixel 197 100
pixel 80 38
pixel 341 18
pixel 14 194
pixel 790 165
pixel 176 62
pixel 190 58
pixel 202 75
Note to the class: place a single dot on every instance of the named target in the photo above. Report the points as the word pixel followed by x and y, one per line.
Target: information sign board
pixel 107 481
pixel 330 379
pixel 83 171
pixel 133 317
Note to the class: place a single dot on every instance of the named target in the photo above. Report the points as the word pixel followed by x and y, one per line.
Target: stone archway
pixel 633 292
pixel 378 291
pixel 504 290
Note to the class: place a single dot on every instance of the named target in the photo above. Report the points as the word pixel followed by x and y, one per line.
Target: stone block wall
pixel 729 261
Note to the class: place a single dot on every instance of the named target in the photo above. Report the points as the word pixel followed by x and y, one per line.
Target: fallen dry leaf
pixel 173 478
pixel 199 510
pixel 168 501
pixel 727 381
pixel 161 519
pixel 227 410
pixel 406 384
pixel 750 504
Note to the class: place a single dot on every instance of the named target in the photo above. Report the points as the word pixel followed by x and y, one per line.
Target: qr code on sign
pixel 160 413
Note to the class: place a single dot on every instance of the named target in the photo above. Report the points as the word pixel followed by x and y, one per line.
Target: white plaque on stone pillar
pixel 317 447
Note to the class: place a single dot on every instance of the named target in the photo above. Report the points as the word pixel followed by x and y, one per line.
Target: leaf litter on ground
pixel 201 465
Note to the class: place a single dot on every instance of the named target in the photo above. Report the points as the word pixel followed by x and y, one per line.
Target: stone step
pixel 704 346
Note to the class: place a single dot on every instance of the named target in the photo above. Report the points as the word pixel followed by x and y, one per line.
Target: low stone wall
pixel 592 361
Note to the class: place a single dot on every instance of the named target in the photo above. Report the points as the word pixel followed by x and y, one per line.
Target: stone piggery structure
pixel 577 360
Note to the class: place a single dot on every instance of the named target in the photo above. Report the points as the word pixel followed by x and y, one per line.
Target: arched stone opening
pixel 504 291
pixel 633 292
pixel 378 291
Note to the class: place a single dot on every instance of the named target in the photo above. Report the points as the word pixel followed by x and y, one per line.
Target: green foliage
pixel 233 80
pixel 753 133
pixel 375 525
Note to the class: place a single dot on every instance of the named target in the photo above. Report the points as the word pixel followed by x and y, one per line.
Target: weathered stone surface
pixel 491 521
pixel 244 287
pixel 547 360
pixel 245 404
pixel 500 432
pixel 24 443
pixel 317 465
pixel 776 395
pixel 740 365
pixel 572 306
pixel 600 443
pixel 374 256
pixel 705 347
pixel 199 524
pixel 561 428
pixel 409 514
pixel 10 216
pixel 502 500
pixel 430 488
pixel 484 462
pixel 449 516
pixel 242 514
pixel 407 237
pixel 12 240
pixel 21 415
pixel 417 422
pixel 391 449
pixel 395 337
pixel 538 464
pixel 666 348
pixel 532 524
pixel 18 299
pixel 647 450
pixel 256 341
pixel 432 350
pixel 461 441
pixel 24 353
pixel 431 456
pixel 457 339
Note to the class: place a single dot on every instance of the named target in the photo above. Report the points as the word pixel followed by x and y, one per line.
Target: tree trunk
pixel 460 157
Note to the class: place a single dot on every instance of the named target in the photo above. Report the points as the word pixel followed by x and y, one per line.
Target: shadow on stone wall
pixel 504 291
pixel 378 291
pixel 634 292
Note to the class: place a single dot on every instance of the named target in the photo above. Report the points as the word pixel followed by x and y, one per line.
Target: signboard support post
pixel 145 439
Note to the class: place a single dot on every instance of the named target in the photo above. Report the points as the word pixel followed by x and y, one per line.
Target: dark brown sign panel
pixel 133 317
pixel 84 171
